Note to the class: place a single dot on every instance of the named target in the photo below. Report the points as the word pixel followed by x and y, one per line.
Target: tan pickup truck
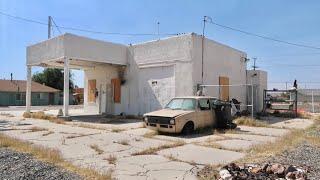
pixel 183 114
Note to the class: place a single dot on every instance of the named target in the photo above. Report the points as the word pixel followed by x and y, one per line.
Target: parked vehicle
pixel 185 114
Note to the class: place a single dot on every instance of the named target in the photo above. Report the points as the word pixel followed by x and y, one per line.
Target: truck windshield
pixel 183 104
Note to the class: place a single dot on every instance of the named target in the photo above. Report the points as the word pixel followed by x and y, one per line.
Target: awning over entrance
pixel 78 49
pixel 70 51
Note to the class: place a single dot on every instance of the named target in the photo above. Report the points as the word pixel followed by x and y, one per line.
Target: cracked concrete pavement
pixel 75 139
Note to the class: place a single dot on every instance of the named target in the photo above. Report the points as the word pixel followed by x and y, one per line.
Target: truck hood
pixel 168 113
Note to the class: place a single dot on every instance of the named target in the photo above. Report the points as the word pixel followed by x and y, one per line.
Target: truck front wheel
pixel 188 128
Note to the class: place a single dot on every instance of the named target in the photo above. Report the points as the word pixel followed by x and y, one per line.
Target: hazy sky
pixel 291 20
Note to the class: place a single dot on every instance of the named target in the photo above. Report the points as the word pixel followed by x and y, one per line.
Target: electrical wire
pixel 86 30
pixel 56 25
pixel 264 37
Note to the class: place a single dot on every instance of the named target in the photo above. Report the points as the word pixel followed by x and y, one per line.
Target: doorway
pixel 224 88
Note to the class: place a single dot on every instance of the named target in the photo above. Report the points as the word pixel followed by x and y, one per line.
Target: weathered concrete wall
pixel 219 60
pixel 82 48
pixel 76 47
pixel 259 80
pixel 162 70
pixel 164 51
pixel 46 50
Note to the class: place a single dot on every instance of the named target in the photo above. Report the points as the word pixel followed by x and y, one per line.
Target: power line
pixel 86 30
pixel 265 37
pixel 56 25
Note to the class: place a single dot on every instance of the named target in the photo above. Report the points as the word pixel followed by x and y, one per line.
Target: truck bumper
pixel 169 128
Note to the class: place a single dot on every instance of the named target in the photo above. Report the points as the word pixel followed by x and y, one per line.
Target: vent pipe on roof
pixel 11 77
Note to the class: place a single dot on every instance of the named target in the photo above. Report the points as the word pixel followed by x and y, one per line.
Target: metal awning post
pixel 28 90
pixel 66 88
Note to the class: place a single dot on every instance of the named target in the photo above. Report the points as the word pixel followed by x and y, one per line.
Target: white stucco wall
pixel 260 82
pixel 76 47
pixel 103 76
pixel 219 60
pixel 46 50
pixel 163 69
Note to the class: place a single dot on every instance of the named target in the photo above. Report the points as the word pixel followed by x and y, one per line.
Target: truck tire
pixel 188 128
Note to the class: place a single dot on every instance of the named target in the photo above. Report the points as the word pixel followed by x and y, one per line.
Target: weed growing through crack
pixel 111 159
pixel 47 133
pixel 116 130
pixel 153 150
pixel 37 129
pixel 51 156
pixel 150 134
pixel 96 148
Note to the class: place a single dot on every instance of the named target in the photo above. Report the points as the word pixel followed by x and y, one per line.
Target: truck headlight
pixel 171 121
pixel 146 119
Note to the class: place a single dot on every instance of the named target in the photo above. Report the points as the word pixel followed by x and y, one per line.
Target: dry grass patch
pixel 153 150
pixel 96 148
pixel 124 142
pixel 79 135
pixel 37 129
pixel 261 152
pixel 246 121
pixel 116 130
pixel 89 126
pixel 47 133
pixel 150 134
pixel 111 159
pixel 50 156
pixel 42 115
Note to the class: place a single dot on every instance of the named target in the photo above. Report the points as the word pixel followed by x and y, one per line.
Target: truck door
pixel 204 114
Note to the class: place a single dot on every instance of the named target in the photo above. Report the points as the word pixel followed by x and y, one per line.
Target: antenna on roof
pixel 158 26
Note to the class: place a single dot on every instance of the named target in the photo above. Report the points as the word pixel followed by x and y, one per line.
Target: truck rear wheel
pixel 188 128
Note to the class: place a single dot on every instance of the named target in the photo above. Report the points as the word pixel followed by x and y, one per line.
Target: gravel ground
pixel 16 165
pixel 304 155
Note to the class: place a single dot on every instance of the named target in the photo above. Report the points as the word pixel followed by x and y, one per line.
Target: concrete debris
pixel 265 171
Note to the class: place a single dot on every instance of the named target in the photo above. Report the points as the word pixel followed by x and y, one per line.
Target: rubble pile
pixel 265 171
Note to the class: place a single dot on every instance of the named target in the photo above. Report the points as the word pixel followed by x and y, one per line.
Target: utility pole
pixel 254 63
pixel 49 26
pixel 202 47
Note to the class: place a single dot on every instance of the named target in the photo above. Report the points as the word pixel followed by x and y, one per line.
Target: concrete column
pixel 28 91
pixel 66 88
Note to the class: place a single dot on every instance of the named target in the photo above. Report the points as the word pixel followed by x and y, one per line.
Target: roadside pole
pixel 251 98
pixel 312 101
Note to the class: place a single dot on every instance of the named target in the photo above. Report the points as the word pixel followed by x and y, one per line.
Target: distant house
pixel 13 93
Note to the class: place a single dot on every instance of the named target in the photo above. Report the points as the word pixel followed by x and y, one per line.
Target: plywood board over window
pixel 224 88
pixel 116 86
pixel 92 90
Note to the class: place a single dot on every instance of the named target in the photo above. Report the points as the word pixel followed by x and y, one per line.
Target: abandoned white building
pixel 134 79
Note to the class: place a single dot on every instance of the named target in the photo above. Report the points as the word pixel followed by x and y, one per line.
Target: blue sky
pixel 291 20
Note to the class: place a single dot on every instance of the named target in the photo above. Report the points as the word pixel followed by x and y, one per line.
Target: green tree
pixel 52 77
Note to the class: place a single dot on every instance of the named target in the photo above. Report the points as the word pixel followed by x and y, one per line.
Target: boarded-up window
pixel 116 86
pixel 224 88
pixel 92 90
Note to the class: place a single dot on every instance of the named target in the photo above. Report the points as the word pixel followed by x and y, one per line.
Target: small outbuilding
pixel 139 78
